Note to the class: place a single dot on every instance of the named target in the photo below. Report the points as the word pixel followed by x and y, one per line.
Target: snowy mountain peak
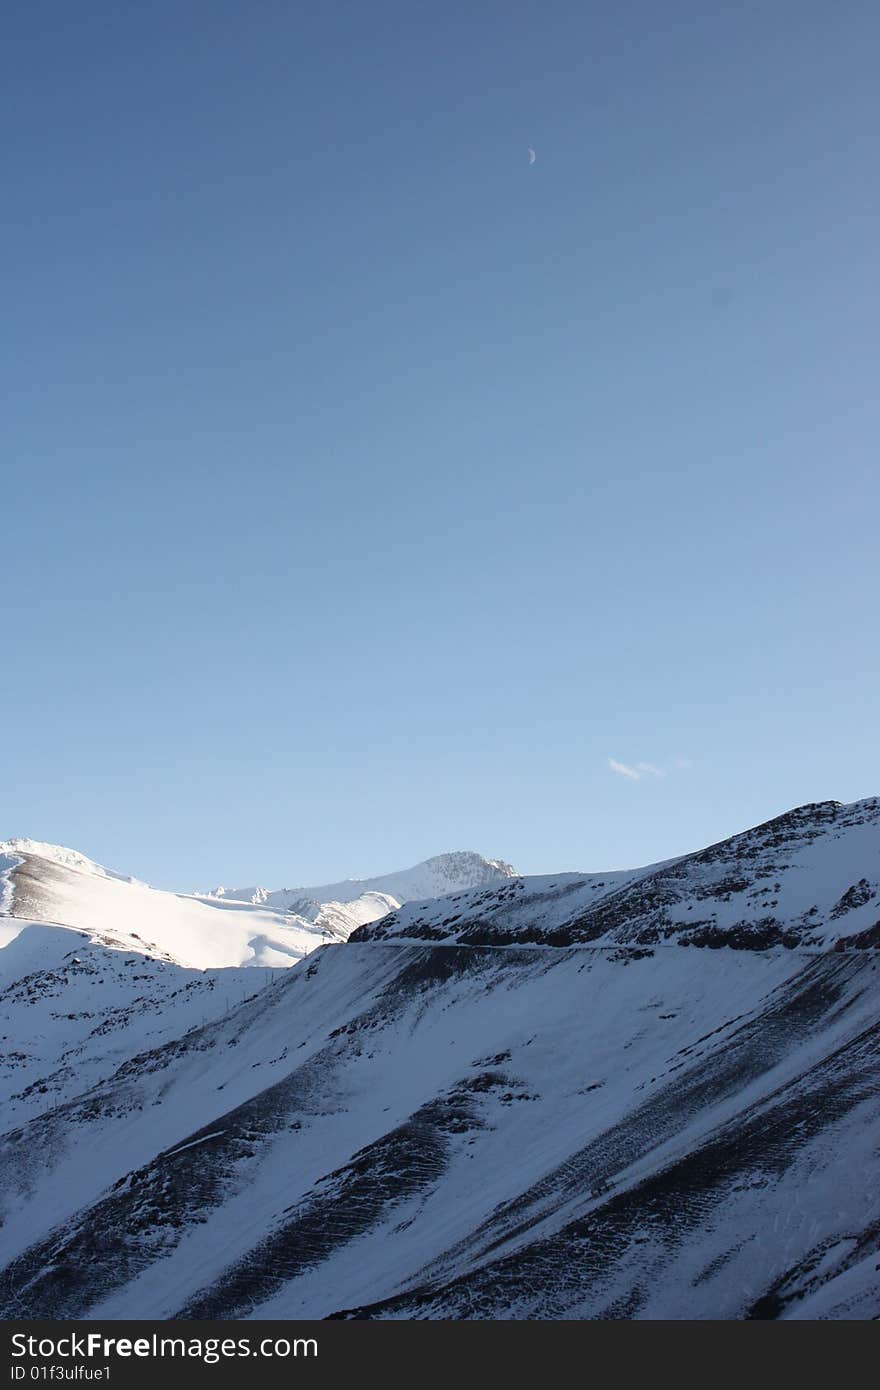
pixel 433 878
pixel 58 854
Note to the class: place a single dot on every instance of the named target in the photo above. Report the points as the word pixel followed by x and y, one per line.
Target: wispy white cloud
pixel 624 770
pixel 634 772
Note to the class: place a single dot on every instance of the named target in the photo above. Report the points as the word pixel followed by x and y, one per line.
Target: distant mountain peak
pixel 437 877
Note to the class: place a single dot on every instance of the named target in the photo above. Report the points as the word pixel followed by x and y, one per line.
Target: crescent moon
pixel 532 155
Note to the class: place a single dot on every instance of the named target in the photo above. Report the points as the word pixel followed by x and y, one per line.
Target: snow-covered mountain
pixel 526 1101
pixel 51 884
pixel 433 878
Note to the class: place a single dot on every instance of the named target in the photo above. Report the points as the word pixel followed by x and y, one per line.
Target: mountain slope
pixel 407 1127
pixel 428 1131
pixel 72 1010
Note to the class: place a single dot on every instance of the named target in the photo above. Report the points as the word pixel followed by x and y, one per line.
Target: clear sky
pixel 366 489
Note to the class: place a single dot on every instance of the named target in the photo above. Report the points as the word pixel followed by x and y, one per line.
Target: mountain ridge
pixel 809 877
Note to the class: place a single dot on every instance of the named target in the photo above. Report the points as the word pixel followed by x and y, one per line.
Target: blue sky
pixel 365 489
